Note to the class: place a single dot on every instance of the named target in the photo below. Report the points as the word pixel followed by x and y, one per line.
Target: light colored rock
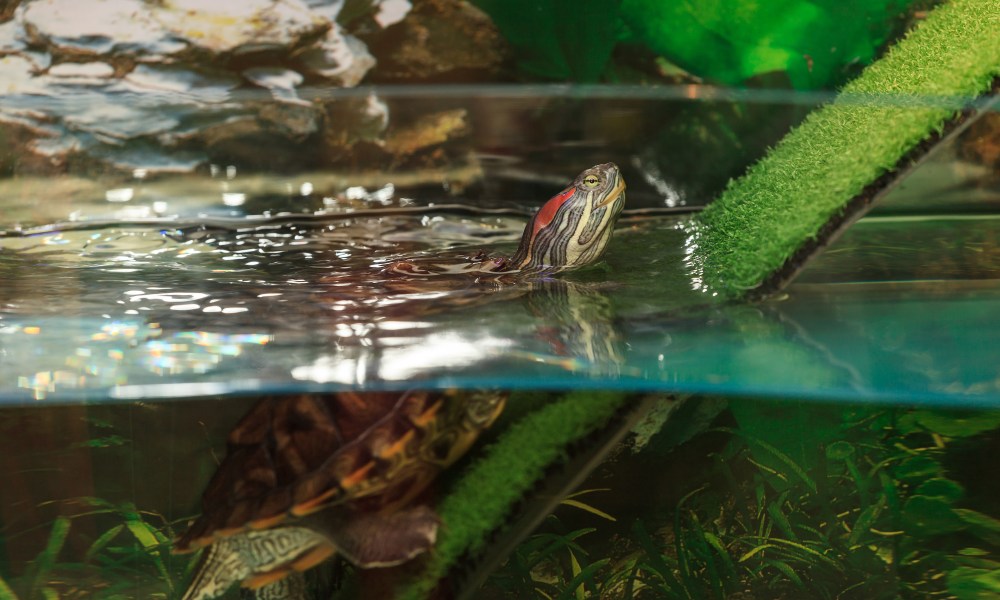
pixel 90 69
pixel 328 9
pixel 390 12
pixel 97 27
pixel 180 81
pixel 17 77
pixel 117 118
pixel 340 58
pixel 11 37
pixel 242 26
pixel 281 82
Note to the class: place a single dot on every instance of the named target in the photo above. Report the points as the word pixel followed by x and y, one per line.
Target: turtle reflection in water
pixel 310 476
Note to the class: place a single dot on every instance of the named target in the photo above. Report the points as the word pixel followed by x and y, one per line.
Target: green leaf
pixel 788 572
pixel 103 540
pixel 917 468
pixel 6 593
pixel 779 518
pixel 574 565
pixel 575 588
pixel 958 423
pixel 720 548
pixel 966 583
pixel 655 560
pixel 558 39
pixel 982 526
pixel 814 42
pixel 810 551
pixel 865 522
pixel 939 487
pixel 143 533
pixel 929 515
pixel 754 551
pixel 50 554
pixel 782 457
pixel 150 539
pixel 839 450
pixel 592 510
pixel 103 442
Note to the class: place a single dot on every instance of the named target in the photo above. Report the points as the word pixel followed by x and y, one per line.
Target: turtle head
pixel 573 228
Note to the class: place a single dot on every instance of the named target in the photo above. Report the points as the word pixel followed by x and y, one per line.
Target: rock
pixel 17 77
pixel 11 37
pixel 154 31
pixel 168 85
pixel 348 121
pixel 97 28
pixel 117 118
pixel 180 82
pixel 241 27
pixel 281 82
pixel 340 59
pixel 432 140
pixel 390 12
pixel 7 8
pixel 294 122
pixel 440 40
pixel 428 131
pixel 90 73
pixel 328 9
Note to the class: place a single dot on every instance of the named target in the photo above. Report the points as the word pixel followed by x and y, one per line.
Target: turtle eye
pixel 591 181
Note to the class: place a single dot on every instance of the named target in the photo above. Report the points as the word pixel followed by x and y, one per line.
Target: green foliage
pixel 815 42
pixel 133 553
pixel 562 40
pixel 882 509
pixel 554 563
pixel 766 216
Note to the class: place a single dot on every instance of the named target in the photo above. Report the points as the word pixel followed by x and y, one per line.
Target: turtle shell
pixel 365 451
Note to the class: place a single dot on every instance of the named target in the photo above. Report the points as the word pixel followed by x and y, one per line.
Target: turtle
pixel 571 230
pixel 308 476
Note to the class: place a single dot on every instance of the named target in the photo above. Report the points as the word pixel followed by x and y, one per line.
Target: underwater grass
pixel 485 495
pixel 755 229
pixel 885 504
pixel 115 564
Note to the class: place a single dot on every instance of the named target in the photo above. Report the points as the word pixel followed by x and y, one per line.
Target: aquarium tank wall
pixel 315 299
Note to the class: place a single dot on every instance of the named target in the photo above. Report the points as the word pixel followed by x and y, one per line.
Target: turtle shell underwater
pixel 310 476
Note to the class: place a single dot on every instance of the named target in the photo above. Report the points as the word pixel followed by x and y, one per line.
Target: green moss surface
pixel 483 498
pixel 763 218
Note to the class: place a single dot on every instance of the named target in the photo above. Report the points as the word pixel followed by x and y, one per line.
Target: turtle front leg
pixel 257 559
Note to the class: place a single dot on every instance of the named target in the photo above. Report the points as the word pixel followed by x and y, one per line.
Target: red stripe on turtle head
pixel 548 211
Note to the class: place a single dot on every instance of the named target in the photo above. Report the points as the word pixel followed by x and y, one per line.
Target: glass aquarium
pixel 257 263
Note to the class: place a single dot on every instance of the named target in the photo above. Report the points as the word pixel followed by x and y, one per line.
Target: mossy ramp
pixel 769 221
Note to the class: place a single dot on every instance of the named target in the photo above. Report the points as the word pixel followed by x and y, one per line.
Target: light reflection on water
pixel 139 312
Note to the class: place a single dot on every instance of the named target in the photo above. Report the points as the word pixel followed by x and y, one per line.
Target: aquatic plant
pixel 129 559
pixel 552 563
pixel 887 503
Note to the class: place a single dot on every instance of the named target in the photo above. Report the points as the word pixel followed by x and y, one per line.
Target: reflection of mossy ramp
pixel 826 171
pixel 485 497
